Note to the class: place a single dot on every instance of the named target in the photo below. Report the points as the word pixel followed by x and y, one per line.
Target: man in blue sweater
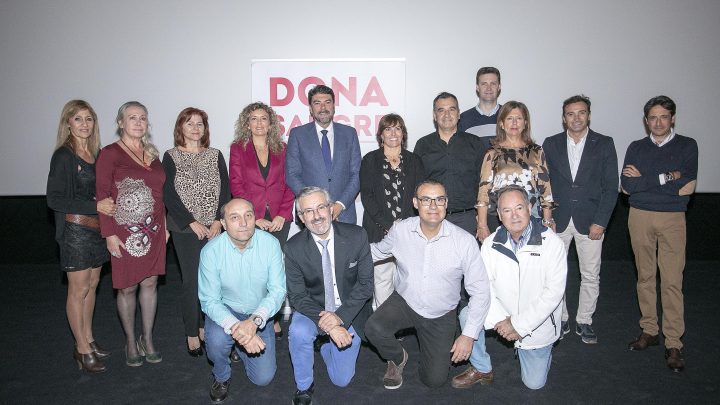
pixel 481 119
pixel 659 174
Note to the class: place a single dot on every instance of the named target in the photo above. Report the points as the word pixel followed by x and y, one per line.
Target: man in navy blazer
pixel 325 154
pixel 329 273
pixel 584 176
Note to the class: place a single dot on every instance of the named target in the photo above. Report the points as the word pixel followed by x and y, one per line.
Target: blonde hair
pixel 64 138
pixel 242 128
pixel 148 146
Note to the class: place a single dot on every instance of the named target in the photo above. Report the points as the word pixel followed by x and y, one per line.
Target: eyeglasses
pixel 318 209
pixel 439 201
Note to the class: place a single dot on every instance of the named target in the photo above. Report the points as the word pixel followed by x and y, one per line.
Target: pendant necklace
pixel 146 166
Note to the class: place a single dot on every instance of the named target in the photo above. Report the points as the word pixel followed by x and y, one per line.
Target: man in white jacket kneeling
pixel 527 269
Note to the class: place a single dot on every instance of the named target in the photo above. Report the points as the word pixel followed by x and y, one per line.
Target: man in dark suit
pixel 329 273
pixel 325 154
pixel 584 176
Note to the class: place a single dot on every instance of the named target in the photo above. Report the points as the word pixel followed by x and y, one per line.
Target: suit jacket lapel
pixel 314 144
pixel 588 150
pixel 335 149
pixel 340 259
pixel 564 163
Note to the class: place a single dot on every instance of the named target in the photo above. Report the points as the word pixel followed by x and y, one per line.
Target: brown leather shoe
pixel 472 376
pixel 643 341
pixel 675 360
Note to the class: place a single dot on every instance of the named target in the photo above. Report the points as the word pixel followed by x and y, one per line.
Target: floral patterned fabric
pixel 139 221
pixel 525 167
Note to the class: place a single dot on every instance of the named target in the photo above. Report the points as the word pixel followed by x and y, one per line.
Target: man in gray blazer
pixel 584 176
pixel 325 154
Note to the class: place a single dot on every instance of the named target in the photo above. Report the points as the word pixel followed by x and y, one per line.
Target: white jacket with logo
pixel 527 286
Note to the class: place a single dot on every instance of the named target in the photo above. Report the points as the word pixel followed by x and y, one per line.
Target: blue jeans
pixel 479 358
pixel 340 362
pixel 534 363
pixel 260 368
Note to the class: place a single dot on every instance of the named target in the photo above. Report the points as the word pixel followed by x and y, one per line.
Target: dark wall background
pixel 28 231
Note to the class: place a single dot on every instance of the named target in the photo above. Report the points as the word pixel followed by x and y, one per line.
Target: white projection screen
pixel 174 54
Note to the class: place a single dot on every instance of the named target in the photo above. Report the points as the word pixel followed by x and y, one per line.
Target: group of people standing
pixel 471 229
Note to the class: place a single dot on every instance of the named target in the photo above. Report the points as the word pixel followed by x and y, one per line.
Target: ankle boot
pixel 100 353
pixel 88 362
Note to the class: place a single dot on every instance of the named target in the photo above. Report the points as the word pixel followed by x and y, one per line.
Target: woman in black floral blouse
pixel 388 177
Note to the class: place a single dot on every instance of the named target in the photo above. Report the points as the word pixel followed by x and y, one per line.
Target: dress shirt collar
pixel 444 231
pixel 667 139
pixel 494 110
pixel 571 141
pixel 250 244
pixel 317 239
pixel 318 128
pixel 522 241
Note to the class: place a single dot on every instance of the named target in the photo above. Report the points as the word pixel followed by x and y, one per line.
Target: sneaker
pixel 564 328
pixel 586 332
pixel 219 390
pixel 393 375
pixel 303 397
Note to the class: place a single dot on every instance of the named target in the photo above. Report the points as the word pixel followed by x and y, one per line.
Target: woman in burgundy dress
pixel 130 172
pixel 71 194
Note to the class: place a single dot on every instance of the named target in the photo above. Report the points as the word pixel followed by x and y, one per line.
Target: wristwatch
pixel 669 177
pixel 548 222
pixel 257 320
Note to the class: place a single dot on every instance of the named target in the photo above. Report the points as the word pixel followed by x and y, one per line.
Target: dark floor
pixel 37 366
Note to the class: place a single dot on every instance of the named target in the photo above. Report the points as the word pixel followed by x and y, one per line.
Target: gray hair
pixel 148 146
pixel 306 191
pixel 513 187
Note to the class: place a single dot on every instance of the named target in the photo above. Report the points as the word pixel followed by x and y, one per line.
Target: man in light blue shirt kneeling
pixel 241 284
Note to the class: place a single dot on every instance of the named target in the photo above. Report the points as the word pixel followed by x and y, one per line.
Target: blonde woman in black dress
pixel 71 194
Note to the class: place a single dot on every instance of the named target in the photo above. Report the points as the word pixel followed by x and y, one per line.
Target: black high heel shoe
pixel 196 352
pixel 88 362
pixel 100 353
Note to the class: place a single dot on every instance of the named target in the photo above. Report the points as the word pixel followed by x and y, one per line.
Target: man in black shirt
pixel 454 159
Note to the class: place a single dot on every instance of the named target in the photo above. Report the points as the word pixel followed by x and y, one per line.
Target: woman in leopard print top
pixel 196 188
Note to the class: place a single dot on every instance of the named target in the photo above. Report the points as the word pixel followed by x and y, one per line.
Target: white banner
pixel 365 90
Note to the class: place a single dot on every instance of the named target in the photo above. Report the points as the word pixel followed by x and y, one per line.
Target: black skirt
pixel 82 248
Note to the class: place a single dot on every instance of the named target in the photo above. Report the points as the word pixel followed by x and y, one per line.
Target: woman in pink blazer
pixel 257 171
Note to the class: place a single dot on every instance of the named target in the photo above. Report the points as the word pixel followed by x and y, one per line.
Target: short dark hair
pixel 579 98
pixel 320 89
pixel 431 182
pixel 390 120
pixel 485 70
pixel 444 95
pixel 512 187
pixel 663 101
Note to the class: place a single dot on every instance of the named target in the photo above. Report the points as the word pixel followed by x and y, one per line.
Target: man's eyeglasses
pixel 318 209
pixel 439 201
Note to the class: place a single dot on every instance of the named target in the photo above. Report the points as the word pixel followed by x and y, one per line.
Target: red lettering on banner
pixel 350 92
pixel 280 124
pixel 362 125
pixel 302 88
pixel 373 94
pixel 276 82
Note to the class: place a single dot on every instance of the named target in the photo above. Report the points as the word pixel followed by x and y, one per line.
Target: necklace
pixel 142 161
